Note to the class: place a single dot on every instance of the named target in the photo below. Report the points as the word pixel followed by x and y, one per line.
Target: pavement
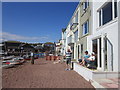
pixel 107 83
pixel 43 74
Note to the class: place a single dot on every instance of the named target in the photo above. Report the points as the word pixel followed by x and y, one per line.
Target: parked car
pixel 7 57
pixel 7 64
pixel 18 60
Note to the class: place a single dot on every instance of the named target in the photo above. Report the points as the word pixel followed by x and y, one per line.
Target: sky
pixel 35 21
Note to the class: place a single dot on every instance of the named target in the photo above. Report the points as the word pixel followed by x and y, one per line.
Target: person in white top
pixel 90 59
pixel 32 57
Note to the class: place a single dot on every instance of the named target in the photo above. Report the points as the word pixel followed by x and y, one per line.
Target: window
pixel 76 36
pixel 85 5
pixel 85 28
pixel 115 8
pixel 76 18
pixel 81 48
pixel 100 22
pixel 106 13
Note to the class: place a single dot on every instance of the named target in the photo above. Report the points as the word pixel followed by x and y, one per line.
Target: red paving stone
pixel 114 79
pixel 43 74
pixel 109 85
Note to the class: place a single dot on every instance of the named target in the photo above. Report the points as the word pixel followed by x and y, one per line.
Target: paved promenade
pixel 43 74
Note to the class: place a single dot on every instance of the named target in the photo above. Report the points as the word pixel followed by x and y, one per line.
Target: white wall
pixel 111 29
pixel 119 35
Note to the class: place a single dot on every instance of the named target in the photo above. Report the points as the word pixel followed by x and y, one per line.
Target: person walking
pixel 68 60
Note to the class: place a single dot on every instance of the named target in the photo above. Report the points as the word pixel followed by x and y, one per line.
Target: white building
pixel 104 38
pixel 101 38
pixel 63 41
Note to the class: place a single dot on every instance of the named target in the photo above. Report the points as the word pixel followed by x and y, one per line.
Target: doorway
pixel 96 48
pixel 108 53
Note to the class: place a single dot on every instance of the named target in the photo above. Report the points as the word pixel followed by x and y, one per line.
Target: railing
pixel 73 26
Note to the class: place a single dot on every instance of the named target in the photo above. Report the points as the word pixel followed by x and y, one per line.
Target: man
pixel 90 59
pixel 68 60
pixel 32 58
pixel 85 56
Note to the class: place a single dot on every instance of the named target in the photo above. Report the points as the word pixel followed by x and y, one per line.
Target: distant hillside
pixel 49 43
pixel 14 41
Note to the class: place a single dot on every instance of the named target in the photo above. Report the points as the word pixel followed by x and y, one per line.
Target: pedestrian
pixel 68 60
pixel 32 58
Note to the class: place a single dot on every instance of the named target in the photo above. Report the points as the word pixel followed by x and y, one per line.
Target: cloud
pixel 10 36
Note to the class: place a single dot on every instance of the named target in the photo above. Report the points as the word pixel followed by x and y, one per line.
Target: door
pixel 108 55
pixel 96 48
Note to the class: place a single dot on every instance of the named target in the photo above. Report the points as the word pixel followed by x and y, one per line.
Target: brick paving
pixel 109 82
pixel 43 74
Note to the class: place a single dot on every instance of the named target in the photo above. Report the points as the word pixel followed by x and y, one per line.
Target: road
pixel 43 74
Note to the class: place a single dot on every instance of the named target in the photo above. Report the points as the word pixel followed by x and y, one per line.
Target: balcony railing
pixel 73 26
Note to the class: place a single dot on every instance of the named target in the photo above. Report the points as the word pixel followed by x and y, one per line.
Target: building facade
pixel 104 37
pixel 85 25
pixel 94 27
pixel 63 42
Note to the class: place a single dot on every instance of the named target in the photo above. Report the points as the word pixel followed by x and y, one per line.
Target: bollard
pixel 47 57
pixel 51 57
pixel 54 58
pixel 58 57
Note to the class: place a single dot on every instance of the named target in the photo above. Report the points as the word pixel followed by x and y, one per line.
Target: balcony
pixel 70 42
pixel 73 26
